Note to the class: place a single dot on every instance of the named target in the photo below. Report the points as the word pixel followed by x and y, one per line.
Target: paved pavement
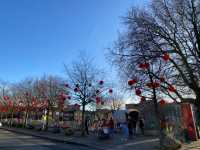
pixel 24 140
pixel 191 146
pixel 13 141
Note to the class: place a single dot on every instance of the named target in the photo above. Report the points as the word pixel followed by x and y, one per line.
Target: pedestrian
pixel 125 131
pixel 111 126
pixel 141 125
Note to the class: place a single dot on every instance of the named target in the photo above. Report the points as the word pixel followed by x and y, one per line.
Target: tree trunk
pixel 157 113
pixel 197 104
pixel 47 120
pixel 11 120
pixel 83 121
pixel 25 118
pixel 1 116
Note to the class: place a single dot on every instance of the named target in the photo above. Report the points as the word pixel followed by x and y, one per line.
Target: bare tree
pixel 168 27
pixel 86 84
pixel 115 101
pixel 48 89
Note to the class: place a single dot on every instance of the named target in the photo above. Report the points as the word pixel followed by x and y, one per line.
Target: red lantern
pixel 98 100
pixel 64 97
pixel 166 57
pixel 162 102
pixel 110 91
pixel 6 98
pixel 5 110
pixel 171 89
pixel 34 102
pixel 153 85
pixel 144 65
pixel 76 89
pixel 101 82
pixel 138 92
pixel 142 100
pixel 131 82
pixel 66 85
pixel 10 103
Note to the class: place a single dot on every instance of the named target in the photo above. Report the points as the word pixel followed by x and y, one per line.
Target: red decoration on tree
pixel 76 89
pixel 10 104
pixel 64 96
pixel 98 100
pixel 101 82
pixel 166 57
pixel 142 99
pixel 110 91
pixel 66 85
pixel 153 85
pixel 5 110
pixel 138 92
pixel 33 102
pixel 162 102
pixel 132 82
pixel 144 65
pixel 6 98
pixel 171 88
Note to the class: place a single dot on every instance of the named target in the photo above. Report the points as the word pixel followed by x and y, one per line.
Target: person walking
pixel 125 131
pixel 111 126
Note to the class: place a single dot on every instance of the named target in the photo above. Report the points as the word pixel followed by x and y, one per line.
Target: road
pixel 13 141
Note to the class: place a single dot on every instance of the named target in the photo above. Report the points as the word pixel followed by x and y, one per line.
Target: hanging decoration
pixel 98 100
pixel 142 99
pixel 10 104
pixel 132 82
pixel 6 98
pixel 110 91
pixel 144 65
pixel 162 102
pixel 66 85
pixel 101 82
pixel 166 57
pixel 171 88
pixel 153 85
pixel 76 89
pixel 138 92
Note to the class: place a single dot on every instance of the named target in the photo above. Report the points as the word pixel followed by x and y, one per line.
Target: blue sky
pixel 38 36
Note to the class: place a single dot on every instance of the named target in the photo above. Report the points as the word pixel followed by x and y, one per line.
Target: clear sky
pixel 38 36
